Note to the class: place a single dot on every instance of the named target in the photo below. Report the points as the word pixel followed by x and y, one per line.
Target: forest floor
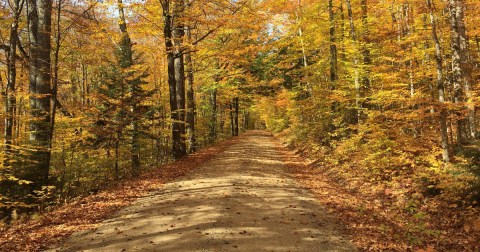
pixel 243 199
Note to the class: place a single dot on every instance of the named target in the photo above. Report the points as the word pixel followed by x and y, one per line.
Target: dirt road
pixel 242 200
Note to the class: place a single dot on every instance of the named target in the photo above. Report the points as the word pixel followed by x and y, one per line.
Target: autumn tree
pixel 39 23
pixel 10 99
pixel 173 32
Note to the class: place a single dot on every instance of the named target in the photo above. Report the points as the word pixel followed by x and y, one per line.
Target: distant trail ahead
pixel 242 200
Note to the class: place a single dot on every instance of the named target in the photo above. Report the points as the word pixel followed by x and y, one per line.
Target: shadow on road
pixel 242 200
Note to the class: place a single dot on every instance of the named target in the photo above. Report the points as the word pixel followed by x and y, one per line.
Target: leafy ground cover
pixel 379 218
pixel 84 213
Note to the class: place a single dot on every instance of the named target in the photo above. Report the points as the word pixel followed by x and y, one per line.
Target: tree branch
pixel 62 109
pixel 21 49
pixel 5 47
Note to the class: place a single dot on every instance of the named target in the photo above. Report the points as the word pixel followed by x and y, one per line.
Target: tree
pixel 190 95
pixel 460 64
pixel 353 35
pixel 179 62
pixel 39 23
pixel 173 32
pixel 333 46
pixel 440 85
pixel 11 77
pixel 10 100
pixel 126 61
pixel 235 116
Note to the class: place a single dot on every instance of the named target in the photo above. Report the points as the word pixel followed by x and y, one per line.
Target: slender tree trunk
pixel 343 55
pixel 302 44
pixel 235 103
pixel 213 116
pixel 18 110
pixel 440 86
pixel 356 77
pixel 10 100
pixel 365 51
pixel 172 85
pixel 178 37
pixel 83 84
pixel 411 77
pixel 477 41
pixel 221 124
pixel 333 57
pixel 55 71
pixel 39 24
pixel 232 120
pixel 117 147
pixel 333 46
pixel 190 117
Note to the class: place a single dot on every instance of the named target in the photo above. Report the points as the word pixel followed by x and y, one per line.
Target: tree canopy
pixel 382 92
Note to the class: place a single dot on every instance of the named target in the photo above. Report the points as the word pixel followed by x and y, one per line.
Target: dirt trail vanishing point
pixel 244 199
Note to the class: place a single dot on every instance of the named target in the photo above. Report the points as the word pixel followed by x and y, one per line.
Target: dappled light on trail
pixel 243 199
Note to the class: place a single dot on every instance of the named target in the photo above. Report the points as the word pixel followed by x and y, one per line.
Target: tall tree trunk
pixel 333 56
pixel 221 124
pixel 333 46
pixel 56 53
pixel 10 100
pixel 356 77
pixel 126 61
pixel 477 41
pixel 83 84
pixel 190 116
pixel 365 51
pixel 117 155
pixel 39 24
pixel 246 120
pixel 467 71
pixel 232 120
pixel 466 65
pixel 178 37
pixel 440 85
pixel 213 115
pixel 235 103
pixel 169 47
pixel 298 14
pixel 460 59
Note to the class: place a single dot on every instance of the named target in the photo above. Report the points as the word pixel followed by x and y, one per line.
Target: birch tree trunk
pixel 302 44
pixel 440 85
pixel 356 77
